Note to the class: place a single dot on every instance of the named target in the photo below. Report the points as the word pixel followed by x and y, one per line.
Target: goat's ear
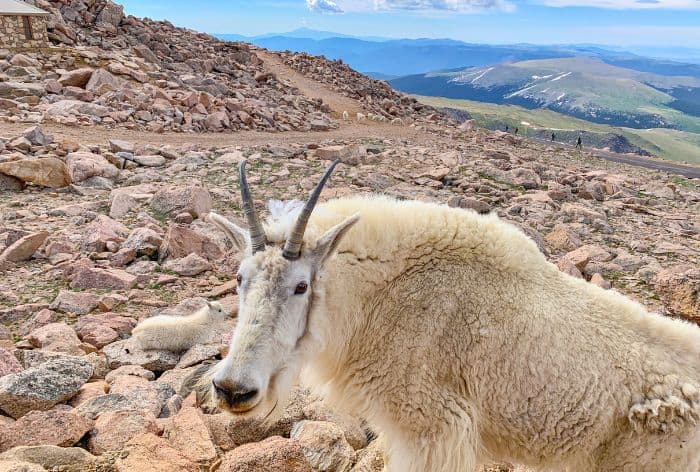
pixel 328 243
pixel 238 236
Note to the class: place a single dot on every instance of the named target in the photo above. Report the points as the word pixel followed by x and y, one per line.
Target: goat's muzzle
pixel 234 397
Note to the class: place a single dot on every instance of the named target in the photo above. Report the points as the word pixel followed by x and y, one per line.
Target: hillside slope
pixel 581 87
pixel 121 71
pixel 541 123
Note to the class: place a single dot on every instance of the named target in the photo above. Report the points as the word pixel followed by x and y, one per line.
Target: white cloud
pixel 440 5
pixel 626 4
pixel 323 6
pixel 341 6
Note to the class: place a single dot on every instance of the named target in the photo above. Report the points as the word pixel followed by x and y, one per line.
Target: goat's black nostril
pixel 234 395
pixel 220 391
pixel 240 397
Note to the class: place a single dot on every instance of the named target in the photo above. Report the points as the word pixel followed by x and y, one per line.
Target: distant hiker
pixel 507 128
pixel 553 137
pixel 579 144
pixel 516 130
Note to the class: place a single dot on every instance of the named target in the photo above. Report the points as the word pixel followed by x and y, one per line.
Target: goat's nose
pixel 233 393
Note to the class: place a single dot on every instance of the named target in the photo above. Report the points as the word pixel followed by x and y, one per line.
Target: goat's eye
pixel 301 288
pixel 239 279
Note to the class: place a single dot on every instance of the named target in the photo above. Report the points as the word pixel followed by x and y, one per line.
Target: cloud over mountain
pixel 626 4
pixel 323 6
pixel 448 5
pixel 341 6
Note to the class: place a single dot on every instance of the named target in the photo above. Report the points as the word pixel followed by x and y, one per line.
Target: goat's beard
pixel 279 392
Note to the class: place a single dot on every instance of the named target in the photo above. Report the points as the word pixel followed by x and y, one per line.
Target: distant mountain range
pixel 627 92
pixel 390 58
pixel 583 87
pixel 304 33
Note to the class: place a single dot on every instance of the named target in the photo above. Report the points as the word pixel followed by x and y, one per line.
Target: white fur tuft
pixel 283 216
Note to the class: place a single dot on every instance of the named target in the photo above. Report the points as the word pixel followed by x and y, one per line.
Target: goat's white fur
pixel 179 333
pixel 458 341
pixel 361 117
pixel 346 116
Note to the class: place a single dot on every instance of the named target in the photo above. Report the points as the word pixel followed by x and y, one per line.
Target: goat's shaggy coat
pixel 179 333
pixel 457 340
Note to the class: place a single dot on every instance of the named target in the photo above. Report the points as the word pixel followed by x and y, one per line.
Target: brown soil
pixel 312 89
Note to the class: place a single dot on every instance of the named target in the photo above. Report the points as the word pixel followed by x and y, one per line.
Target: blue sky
pixel 614 22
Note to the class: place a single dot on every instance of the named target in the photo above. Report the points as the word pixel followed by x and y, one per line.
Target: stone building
pixel 22 25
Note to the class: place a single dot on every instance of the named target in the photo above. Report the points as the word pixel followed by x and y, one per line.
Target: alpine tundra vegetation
pixel 455 338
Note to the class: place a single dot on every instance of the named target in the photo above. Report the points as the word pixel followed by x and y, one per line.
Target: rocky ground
pixel 120 71
pixel 115 146
pixel 95 237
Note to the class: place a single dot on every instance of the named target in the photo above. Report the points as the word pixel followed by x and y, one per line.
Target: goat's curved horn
pixel 258 239
pixel 292 248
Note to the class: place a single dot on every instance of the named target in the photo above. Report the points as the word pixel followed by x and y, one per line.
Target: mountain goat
pixel 456 339
pixel 179 333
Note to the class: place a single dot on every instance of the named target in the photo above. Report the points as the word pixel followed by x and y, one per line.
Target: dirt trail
pixel 312 89
pixel 689 171
pixel 649 163
pixel 98 135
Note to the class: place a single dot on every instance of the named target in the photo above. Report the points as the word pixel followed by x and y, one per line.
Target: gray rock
pixel 173 200
pixel 111 13
pixel 478 206
pixel 189 266
pixel 171 407
pixel 147 396
pixel 150 161
pixel 198 353
pixel 320 125
pixel 94 407
pixel 76 77
pixel 127 353
pixel 117 145
pixel 51 457
pixel 10 183
pixel 21 89
pixel 41 387
pixel 37 137
pixel 324 445
pixel 80 303
pixel 188 380
pixel 145 241
pixel 68 107
pixel 97 182
pixel 101 79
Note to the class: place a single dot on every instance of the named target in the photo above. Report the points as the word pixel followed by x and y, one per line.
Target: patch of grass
pixel 45 290
pixel 683 182
pixel 666 143
pixel 162 293
pixel 517 188
pixel 485 176
pixel 161 217
pixel 672 144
